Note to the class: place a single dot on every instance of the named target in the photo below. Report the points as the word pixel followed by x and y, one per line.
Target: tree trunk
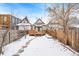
pixel 2 42
pixel 65 32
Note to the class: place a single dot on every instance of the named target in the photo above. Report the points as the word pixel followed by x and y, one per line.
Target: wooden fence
pixel 72 37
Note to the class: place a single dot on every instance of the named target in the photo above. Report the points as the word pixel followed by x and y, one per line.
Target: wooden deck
pixel 35 33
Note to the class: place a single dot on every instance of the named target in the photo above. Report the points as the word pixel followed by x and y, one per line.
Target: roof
pixel 51 22
pixel 26 19
pixel 55 21
pixel 56 26
pixel 74 26
pixel 24 22
pixel 73 21
pixel 39 22
pixel 7 15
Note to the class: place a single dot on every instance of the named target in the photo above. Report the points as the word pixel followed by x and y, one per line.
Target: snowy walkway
pixel 39 46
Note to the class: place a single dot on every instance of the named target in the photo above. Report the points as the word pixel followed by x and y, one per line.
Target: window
pixel 5 19
pixel 2 18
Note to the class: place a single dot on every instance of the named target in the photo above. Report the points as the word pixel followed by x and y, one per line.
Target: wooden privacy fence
pixel 72 37
pixel 51 33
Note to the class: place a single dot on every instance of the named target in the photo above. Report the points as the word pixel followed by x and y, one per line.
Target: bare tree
pixel 4 32
pixel 3 39
pixel 62 12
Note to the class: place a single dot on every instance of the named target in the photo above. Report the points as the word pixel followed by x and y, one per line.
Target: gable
pixel 39 22
pixel 25 20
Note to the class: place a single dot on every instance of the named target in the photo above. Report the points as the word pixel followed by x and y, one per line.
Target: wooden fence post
pixel 73 38
pixel 9 36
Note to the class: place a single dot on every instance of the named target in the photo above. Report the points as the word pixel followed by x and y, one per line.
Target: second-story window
pixel 5 19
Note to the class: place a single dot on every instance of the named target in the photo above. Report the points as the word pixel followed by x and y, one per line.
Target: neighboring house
pixel 8 21
pixel 14 21
pixel 73 21
pixel 38 28
pixel 24 25
pixel 54 25
pixel 55 29
pixel 39 25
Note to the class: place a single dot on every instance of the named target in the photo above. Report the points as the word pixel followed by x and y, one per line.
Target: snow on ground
pixel 13 47
pixel 42 46
pixel 39 46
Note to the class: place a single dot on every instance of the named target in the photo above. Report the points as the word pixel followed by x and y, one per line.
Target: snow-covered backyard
pixel 37 46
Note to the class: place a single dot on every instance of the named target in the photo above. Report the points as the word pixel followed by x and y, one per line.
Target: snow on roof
pixel 39 22
pixel 40 25
pixel 56 25
pixel 55 21
pixel 25 20
pixel 50 22
pixel 23 24
pixel 73 21
pixel 75 25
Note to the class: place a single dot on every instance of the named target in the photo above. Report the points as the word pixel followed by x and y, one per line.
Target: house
pixel 8 21
pixel 24 25
pixel 55 29
pixel 54 25
pixel 38 28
